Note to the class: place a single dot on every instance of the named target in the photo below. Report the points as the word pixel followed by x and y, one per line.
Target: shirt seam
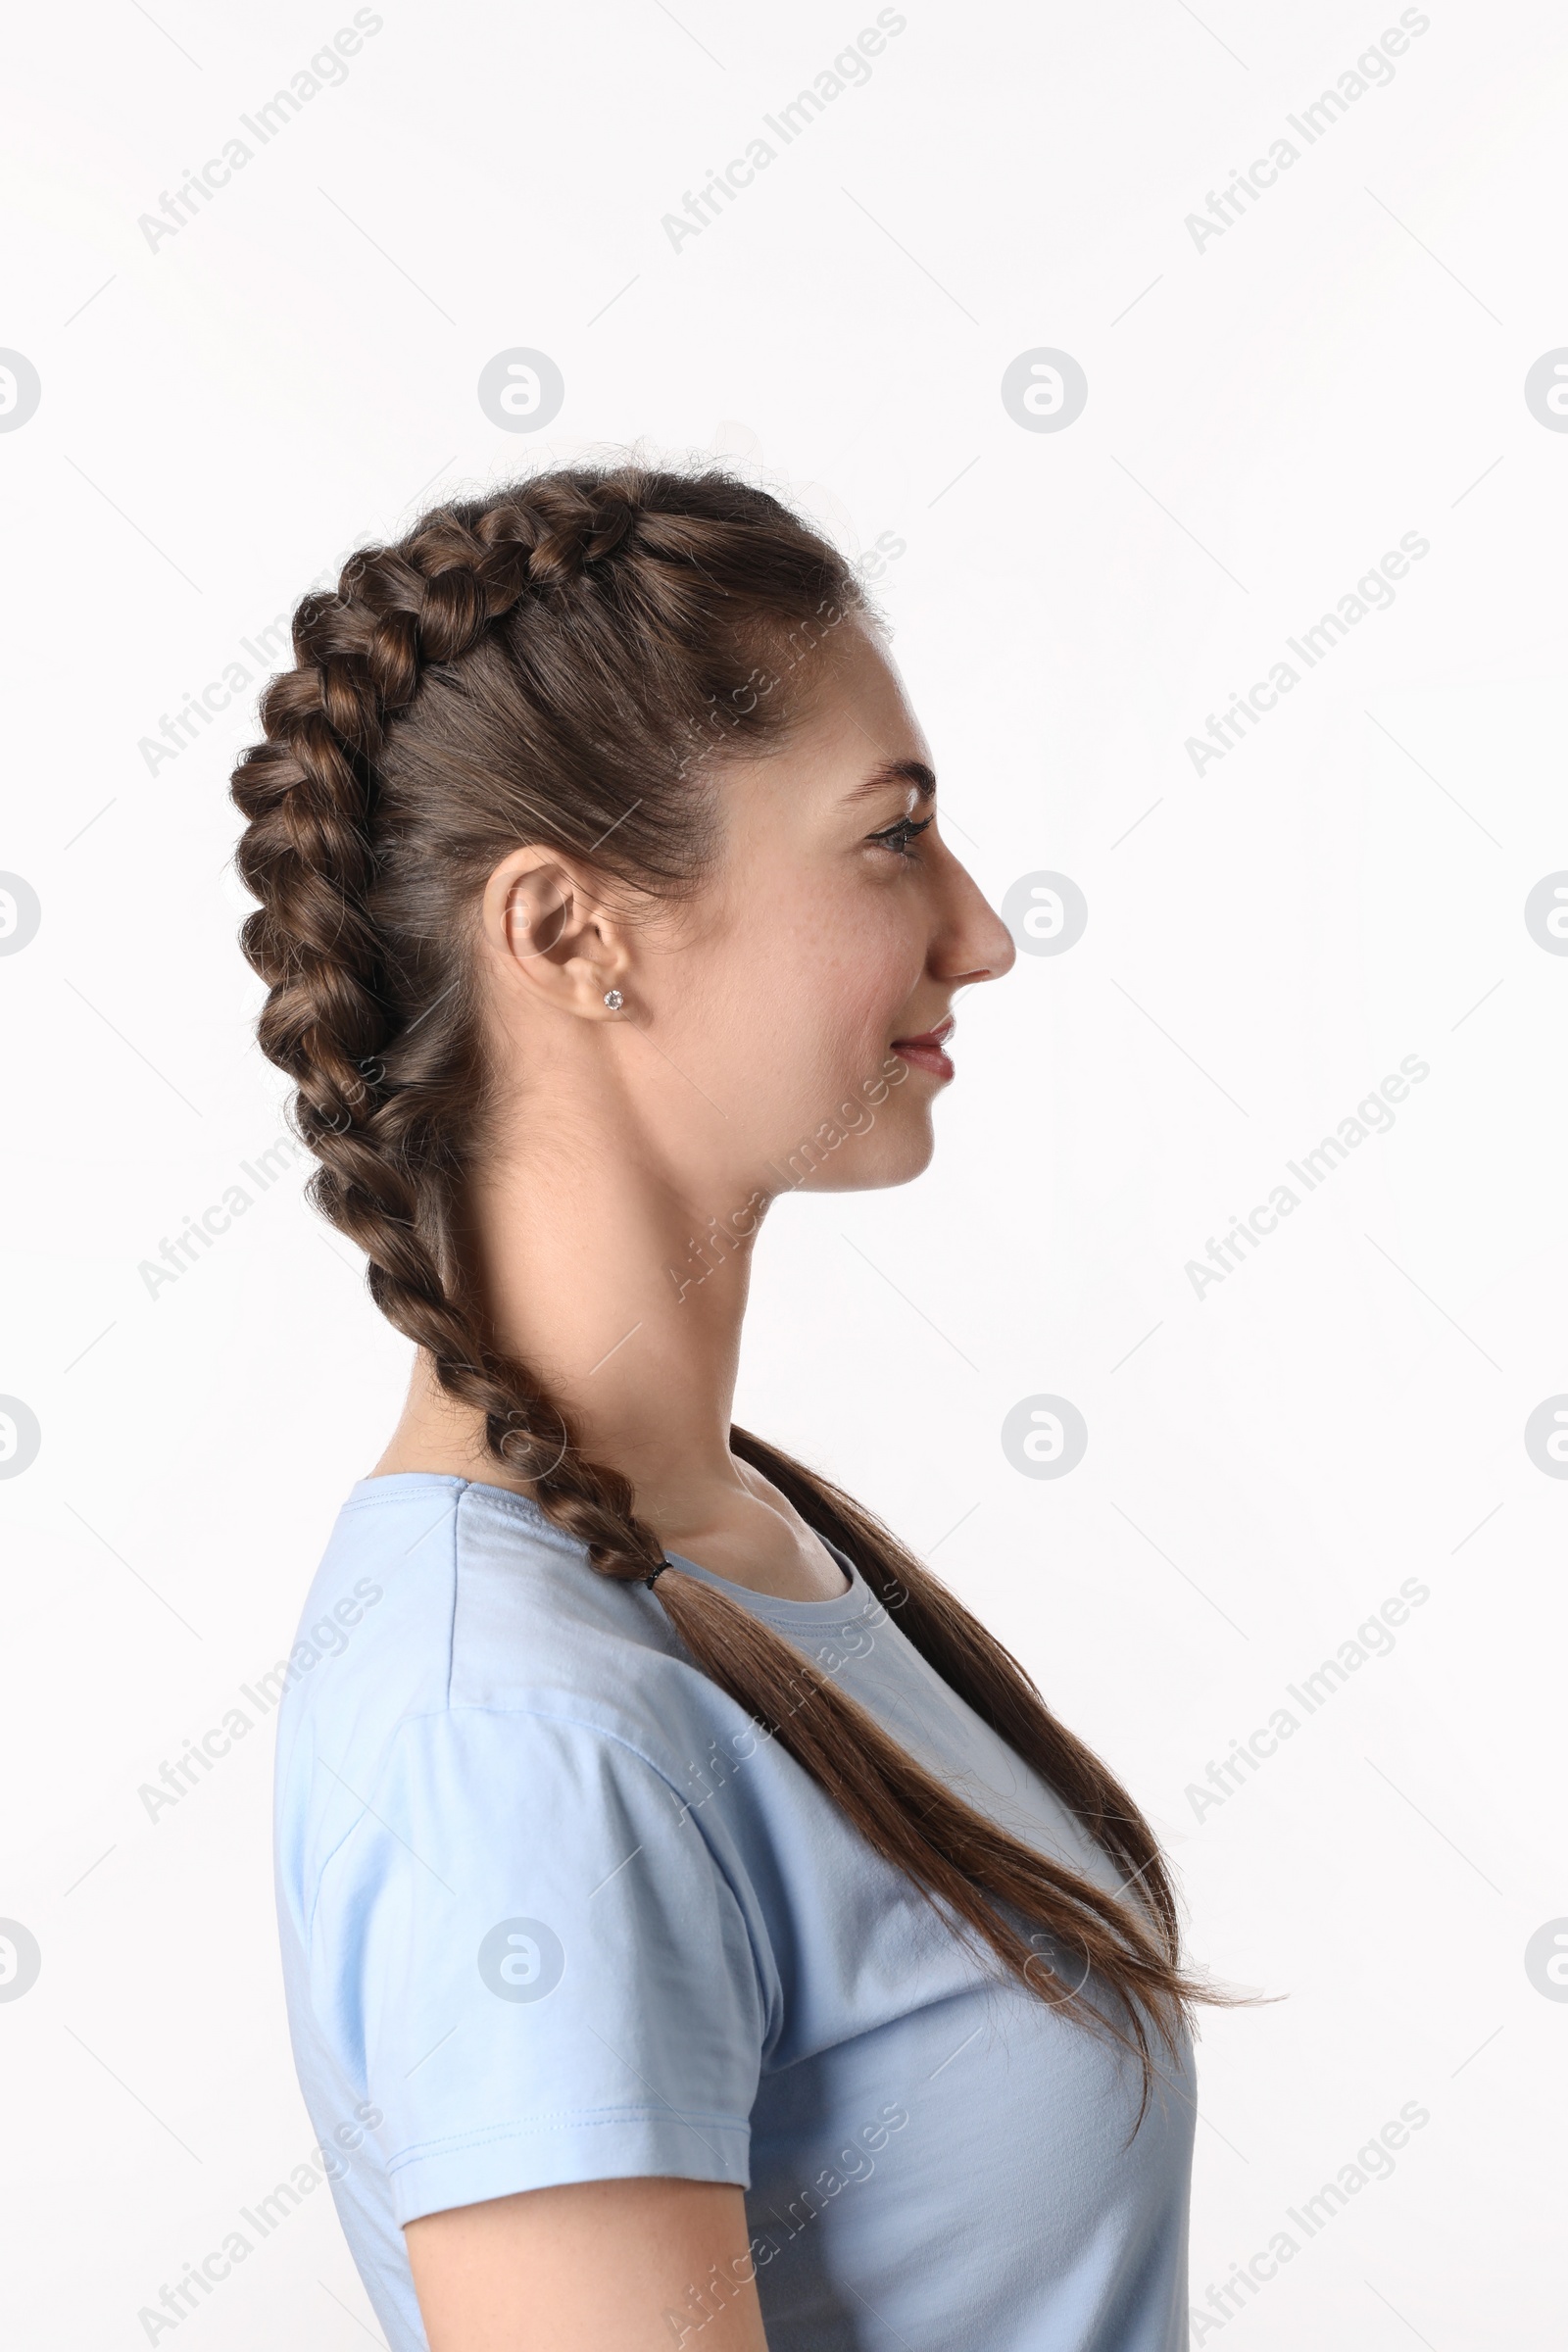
pixel 559 2119
pixel 520 1507
pixel 451 1615
pixel 521 1511
pixel 378 1503
pixel 331 1856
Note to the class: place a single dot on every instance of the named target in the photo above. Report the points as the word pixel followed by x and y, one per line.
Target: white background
pixel 225 416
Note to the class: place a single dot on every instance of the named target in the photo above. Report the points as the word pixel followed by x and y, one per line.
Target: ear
pixel 550 936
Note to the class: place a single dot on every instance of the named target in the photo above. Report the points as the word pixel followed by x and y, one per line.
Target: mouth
pixel 925 1051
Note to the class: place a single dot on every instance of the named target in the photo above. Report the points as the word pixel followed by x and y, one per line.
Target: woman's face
pixel 784 1008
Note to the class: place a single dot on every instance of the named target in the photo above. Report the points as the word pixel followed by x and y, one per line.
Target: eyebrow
pixel 896 771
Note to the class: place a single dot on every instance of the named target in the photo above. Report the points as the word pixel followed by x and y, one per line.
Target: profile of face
pixel 784 1027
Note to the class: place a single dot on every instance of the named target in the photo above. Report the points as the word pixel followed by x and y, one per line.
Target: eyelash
pixel 899 836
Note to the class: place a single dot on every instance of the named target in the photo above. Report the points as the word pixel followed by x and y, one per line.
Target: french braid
pixel 553 665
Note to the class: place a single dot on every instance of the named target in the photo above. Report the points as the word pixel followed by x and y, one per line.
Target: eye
pixel 899 838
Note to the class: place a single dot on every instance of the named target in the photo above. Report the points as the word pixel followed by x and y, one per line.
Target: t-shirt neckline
pixel 842 1609
pixel 849 1603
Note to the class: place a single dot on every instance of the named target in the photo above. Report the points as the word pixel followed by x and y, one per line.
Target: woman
pixel 694 1922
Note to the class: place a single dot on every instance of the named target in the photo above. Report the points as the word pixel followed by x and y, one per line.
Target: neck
pixel 625 1301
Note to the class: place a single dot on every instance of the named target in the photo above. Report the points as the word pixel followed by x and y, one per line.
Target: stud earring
pixel 614 998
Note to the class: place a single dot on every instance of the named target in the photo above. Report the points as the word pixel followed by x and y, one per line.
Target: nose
pixel 972 943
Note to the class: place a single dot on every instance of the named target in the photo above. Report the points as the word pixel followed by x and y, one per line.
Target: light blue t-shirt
pixel 554 1910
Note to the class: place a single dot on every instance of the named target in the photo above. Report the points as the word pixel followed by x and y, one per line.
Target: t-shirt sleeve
pixel 548 1973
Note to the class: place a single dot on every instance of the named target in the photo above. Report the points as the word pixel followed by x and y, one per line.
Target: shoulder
pixel 436 1594
pixel 452 1631
pixel 499 1735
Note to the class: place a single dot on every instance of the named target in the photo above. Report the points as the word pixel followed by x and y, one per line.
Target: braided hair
pixel 553 665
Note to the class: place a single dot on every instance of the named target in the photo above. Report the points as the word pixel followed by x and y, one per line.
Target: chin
pixel 891 1161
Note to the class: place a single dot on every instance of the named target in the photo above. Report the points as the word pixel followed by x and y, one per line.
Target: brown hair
pixel 552 665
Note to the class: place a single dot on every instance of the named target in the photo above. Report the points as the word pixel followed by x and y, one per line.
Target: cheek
pixel 820 1078
pixel 831 996
pixel 789 1008
pixel 795 1042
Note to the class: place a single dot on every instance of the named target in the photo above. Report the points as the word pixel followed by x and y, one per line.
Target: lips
pixel 925 1051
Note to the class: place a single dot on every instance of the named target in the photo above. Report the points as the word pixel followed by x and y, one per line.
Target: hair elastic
pixel 658 1571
